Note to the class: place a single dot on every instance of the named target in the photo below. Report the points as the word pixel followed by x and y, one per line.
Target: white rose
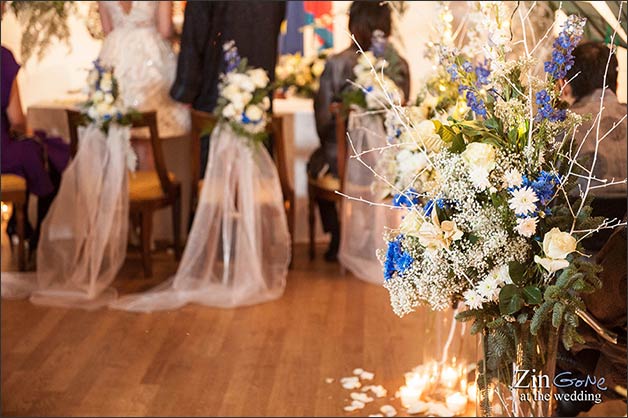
pixel 411 223
pixel 558 244
pixel 106 82
pixel 229 111
pixel 230 91
pixel 266 103
pixel 109 98
pixel 550 264
pixel 254 113
pixel 98 96
pixel 259 77
pixel 244 82
pixel 480 155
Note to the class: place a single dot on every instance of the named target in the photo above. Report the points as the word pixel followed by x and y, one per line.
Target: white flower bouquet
pixel 243 100
pixel 375 74
pixel 104 106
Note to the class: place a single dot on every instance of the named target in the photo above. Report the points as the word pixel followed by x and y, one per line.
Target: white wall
pixel 61 71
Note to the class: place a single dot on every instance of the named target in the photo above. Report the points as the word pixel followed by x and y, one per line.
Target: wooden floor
pixel 271 359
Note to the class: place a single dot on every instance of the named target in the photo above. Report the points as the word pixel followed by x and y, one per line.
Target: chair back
pixel 338 112
pixel 280 155
pixel 145 120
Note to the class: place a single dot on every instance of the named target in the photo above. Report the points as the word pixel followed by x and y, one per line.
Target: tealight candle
pixel 409 395
pixel 456 403
pixel 449 377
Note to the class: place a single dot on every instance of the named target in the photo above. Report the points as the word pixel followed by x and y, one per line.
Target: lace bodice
pixel 141 14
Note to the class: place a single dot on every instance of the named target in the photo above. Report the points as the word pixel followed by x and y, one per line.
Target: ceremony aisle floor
pixel 271 359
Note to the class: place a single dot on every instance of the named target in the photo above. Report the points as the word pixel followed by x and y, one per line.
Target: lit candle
pixel 449 377
pixel 409 396
pixel 417 380
pixel 456 403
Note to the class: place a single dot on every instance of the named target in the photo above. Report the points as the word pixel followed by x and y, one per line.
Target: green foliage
pixel 43 22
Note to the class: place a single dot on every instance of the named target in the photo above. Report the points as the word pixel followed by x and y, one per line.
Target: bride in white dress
pixel 137 47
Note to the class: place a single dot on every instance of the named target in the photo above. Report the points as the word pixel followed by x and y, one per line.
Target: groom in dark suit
pixel 254 26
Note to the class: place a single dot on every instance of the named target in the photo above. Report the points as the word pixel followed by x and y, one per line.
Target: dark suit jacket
pixel 339 69
pixel 254 26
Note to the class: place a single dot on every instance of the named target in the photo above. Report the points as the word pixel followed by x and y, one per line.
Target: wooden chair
pixel 148 190
pixel 14 191
pixel 325 188
pixel 204 122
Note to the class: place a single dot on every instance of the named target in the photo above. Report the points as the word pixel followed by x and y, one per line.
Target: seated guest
pixel 584 92
pixel 364 19
pixel 39 160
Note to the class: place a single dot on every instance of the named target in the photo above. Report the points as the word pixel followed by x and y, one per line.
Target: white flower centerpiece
pixel 495 226
pixel 296 75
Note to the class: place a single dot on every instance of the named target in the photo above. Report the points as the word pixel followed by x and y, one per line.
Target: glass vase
pixel 515 376
pixel 439 385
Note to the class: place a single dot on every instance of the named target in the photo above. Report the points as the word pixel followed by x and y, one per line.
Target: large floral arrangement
pixel 104 105
pixel 243 100
pixel 296 75
pixel 496 207
pixel 375 74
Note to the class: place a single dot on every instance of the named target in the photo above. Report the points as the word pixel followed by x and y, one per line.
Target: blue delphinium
pixel 546 111
pixel 467 66
pixel 482 73
pixel 453 72
pixel 232 57
pixel 545 186
pixel 397 260
pixel 476 104
pixel 378 43
pixel 562 57
pixel 408 199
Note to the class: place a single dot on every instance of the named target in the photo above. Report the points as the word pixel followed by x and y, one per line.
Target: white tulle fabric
pixel 238 250
pixel 363 225
pixel 84 236
pixel 144 64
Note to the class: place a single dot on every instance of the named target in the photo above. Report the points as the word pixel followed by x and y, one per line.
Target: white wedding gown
pixel 144 64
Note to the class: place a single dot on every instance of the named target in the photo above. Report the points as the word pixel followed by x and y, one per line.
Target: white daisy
pixel 472 299
pixel 489 288
pixel 501 274
pixel 479 178
pixel 513 178
pixel 523 201
pixel 527 226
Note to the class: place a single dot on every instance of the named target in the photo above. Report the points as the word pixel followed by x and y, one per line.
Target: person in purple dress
pixel 39 159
